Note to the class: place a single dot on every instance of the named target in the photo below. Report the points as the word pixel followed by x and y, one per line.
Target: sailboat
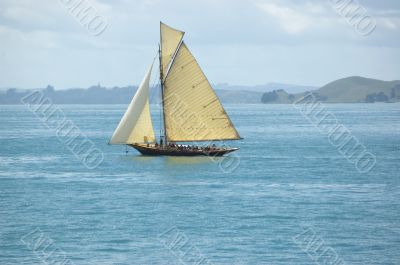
pixel 191 111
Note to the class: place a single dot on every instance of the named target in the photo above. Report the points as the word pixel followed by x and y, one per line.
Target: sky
pixel 247 42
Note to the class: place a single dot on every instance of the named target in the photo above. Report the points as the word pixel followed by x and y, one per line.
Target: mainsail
pixel 136 126
pixel 170 39
pixel 192 110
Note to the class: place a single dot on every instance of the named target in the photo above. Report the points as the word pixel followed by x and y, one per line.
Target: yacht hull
pixel 168 151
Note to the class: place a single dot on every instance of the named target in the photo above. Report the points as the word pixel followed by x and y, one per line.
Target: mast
pixel 162 91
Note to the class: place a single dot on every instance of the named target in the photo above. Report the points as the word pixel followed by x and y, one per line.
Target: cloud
pixel 230 38
pixel 291 20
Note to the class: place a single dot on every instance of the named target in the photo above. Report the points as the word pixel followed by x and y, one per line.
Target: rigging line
pixel 153 87
pixel 159 101
pixel 154 80
pixel 155 93
pixel 205 106
pixel 186 64
pixel 155 84
pixel 160 109
pixel 163 130
pixel 175 54
pixel 198 83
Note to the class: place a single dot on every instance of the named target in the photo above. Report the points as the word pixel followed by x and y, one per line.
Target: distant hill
pixel 115 95
pixel 353 89
pixel 266 88
pixel 91 95
pixel 347 90
pixel 240 96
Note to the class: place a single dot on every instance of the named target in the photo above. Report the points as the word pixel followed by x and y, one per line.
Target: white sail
pixel 136 126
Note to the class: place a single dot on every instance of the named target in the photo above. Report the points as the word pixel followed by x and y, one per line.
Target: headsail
pixel 136 126
pixel 170 39
pixel 192 110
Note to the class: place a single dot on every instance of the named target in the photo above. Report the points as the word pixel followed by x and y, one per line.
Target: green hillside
pixel 353 89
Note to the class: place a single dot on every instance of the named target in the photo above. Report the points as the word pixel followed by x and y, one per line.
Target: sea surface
pixel 293 198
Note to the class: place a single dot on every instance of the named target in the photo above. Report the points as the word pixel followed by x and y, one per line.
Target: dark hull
pixel 157 151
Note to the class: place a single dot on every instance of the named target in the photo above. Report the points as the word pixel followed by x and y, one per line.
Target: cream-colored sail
pixel 136 126
pixel 143 131
pixel 170 39
pixel 192 110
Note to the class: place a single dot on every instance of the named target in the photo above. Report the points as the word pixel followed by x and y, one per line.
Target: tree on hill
pixel 269 97
pixel 395 93
pixel 376 97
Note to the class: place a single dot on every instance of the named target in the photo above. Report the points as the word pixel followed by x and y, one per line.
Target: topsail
pixel 170 39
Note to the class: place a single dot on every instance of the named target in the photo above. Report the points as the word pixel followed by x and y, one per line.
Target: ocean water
pixel 291 199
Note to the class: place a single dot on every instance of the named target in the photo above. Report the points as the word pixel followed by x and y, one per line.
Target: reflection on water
pixel 141 158
pixel 188 160
pixel 172 161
